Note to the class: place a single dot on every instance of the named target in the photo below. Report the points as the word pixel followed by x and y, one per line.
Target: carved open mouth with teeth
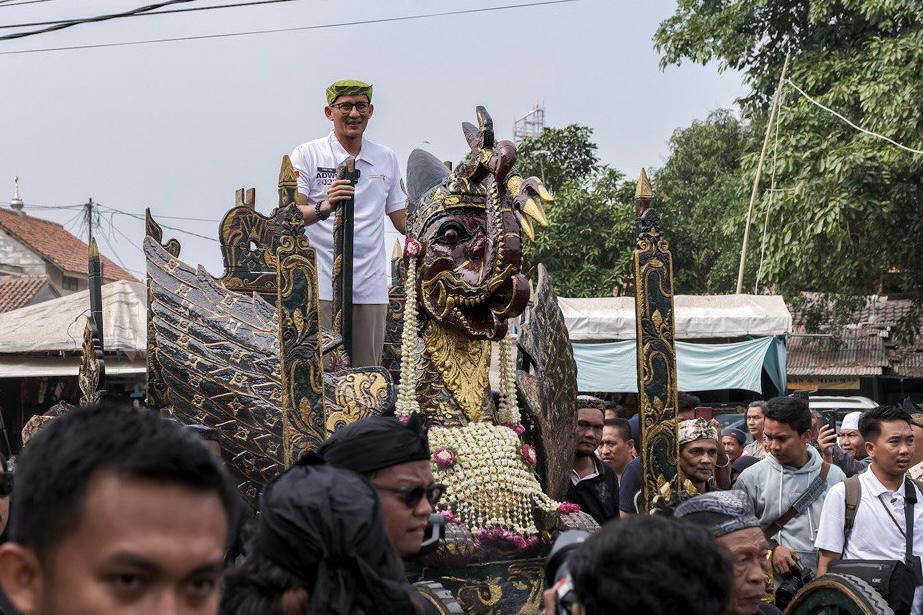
pixel 469 274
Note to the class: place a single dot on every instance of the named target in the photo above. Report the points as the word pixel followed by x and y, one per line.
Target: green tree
pixel 848 217
pixel 699 193
pixel 588 244
pixel 559 155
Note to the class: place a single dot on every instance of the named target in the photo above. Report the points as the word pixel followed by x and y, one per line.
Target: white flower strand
pixel 508 411
pixel 490 485
pixel 407 402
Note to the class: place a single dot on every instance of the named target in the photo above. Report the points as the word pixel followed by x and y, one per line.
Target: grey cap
pixel 722 512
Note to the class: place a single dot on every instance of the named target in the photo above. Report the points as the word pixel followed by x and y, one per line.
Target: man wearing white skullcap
pixel 850 439
pixel 850 455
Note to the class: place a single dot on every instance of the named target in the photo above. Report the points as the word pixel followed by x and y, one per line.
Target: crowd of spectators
pixel 120 510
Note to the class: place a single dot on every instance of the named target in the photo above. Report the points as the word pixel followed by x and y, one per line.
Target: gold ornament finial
pixel 644 190
pixel 287 176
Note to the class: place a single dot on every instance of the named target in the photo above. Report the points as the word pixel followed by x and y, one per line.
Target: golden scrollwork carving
pixel 463 363
pixel 355 395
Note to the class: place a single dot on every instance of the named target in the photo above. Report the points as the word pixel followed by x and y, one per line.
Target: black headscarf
pixel 375 443
pixel 323 524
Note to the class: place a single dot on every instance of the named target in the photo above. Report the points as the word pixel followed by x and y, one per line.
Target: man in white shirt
pixel 377 193
pixel 879 525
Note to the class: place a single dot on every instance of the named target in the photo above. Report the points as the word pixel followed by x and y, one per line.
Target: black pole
pixel 348 171
pixel 95 283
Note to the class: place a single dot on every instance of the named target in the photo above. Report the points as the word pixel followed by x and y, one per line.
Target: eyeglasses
pixel 6 484
pixel 347 107
pixel 412 495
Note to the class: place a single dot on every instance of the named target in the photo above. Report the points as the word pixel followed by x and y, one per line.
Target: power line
pixel 859 128
pixel 77 22
pixel 34 206
pixel 127 238
pixel 118 259
pixel 172 228
pixel 4 3
pixel 148 14
pixel 160 217
pixel 295 29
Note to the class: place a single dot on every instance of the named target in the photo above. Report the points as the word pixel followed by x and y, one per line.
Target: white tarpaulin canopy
pixel 697 317
pixel 37 367
pixel 57 325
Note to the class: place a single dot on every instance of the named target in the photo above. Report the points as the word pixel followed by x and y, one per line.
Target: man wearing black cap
pixel 729 517
pixel 395 456
pixel 734 441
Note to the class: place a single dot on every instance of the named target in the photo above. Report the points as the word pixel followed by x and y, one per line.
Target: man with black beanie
pixel 395 457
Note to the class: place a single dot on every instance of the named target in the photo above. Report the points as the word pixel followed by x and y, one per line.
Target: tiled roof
pixel 907 360
pixel 865 347
pixel 19 291
pixel 855 353
pixel 57 245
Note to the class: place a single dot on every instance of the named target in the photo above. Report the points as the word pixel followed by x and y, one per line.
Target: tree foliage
pixel 848 218
pixel 588 243
pixel 559 155
pixel 701 196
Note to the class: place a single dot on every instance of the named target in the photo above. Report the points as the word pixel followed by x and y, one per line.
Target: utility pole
pixel 759 173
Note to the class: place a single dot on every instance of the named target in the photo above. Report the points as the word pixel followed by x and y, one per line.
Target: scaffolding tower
pixel 531 124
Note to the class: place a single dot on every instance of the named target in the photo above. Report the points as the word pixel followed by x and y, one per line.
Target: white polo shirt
pixel 874 535
pixel 378 192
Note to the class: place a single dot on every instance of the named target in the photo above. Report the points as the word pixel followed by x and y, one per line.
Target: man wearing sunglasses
pixel 377 193
pixel 395 457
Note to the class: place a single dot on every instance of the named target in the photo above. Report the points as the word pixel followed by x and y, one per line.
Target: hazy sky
pixel 179 126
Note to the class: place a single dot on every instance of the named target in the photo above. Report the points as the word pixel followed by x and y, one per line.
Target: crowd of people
pixel 799 500
pixel 120 510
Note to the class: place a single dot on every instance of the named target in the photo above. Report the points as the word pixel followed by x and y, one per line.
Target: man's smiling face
pixel 352 123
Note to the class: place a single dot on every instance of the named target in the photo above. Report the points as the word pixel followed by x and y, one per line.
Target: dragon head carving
pixel 468 224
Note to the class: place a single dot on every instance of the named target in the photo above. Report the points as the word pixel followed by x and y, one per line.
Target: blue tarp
pixel 612 367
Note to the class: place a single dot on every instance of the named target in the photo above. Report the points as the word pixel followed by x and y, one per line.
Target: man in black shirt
pixel 593 483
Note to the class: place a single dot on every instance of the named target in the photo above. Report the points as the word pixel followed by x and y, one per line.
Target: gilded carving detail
pixel 657 388
pixel 91 367
pixel 463 364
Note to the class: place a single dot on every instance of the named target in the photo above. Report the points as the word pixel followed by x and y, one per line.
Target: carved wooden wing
pixel 219 356
pixel 549 387
pixel 218 352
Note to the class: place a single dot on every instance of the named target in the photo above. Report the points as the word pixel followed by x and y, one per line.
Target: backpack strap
pixel 853 494
pixel 916 482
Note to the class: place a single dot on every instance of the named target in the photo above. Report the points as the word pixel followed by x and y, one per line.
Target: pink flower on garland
pixel 444 458
pixel 404 419
pixel 500 534
pixel 450 517
pixel 528 453
pixel 568 508
pixel 517 427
